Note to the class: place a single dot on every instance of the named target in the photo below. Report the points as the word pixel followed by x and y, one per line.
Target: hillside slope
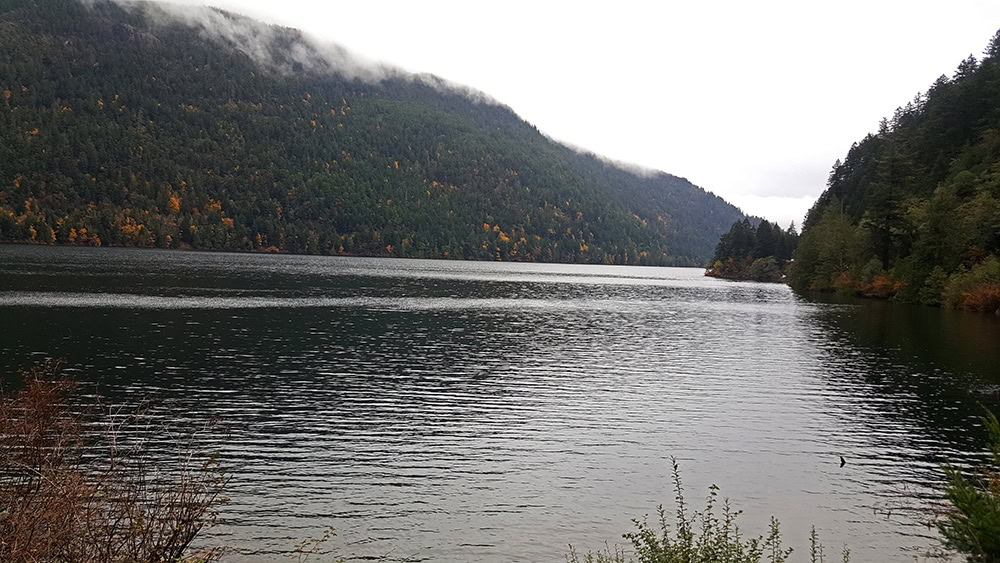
pixel 126 127
pixel 914 210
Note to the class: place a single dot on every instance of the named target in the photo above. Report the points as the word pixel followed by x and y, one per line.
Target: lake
pixel 481 411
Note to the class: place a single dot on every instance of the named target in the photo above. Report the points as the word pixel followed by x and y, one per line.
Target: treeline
pixel 124 127
pixel 758 253
pixel 913 211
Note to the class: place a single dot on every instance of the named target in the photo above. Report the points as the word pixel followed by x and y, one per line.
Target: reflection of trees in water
pixel 917 366
pixel 898 378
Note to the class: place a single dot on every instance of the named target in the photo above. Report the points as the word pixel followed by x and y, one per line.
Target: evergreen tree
pixel 123 126
pixel 913 211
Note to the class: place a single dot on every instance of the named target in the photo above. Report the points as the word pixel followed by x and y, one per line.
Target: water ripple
pixel 495 412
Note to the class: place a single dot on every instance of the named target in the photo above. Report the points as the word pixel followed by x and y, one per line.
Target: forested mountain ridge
pixel 123 127
pixel 913 212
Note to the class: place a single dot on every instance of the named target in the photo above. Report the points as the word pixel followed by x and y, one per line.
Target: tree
pixel 914 208
pixel 766 240
pixel 972 527
pixel 756 253
pixel 221 147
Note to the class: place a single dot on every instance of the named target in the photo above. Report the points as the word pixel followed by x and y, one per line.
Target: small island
pixel 754 253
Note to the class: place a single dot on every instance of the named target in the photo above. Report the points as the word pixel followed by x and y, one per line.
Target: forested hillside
pixel 126 127
pixel 754 252
pixel 914 210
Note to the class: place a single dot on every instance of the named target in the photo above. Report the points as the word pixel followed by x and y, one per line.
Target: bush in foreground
pixel 701 537
pixel 972 526
pixel 78 487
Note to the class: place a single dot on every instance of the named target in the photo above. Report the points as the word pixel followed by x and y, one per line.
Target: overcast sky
pixel 751 100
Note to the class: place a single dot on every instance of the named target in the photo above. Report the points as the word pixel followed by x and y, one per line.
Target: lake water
pixel 459 411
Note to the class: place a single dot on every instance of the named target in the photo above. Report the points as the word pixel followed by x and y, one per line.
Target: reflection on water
pixel 486 411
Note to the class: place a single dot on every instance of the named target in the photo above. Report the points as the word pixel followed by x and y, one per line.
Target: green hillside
pixel 129 128
pixel 913 212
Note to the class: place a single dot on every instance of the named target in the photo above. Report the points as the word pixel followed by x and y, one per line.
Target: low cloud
pixel 277 48
pixel 284 49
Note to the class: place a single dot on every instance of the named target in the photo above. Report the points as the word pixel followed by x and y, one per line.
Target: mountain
pixel 144 125
pixel 913 212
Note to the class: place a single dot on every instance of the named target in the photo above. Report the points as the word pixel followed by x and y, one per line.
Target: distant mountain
pixel 913 212
pixel 134 127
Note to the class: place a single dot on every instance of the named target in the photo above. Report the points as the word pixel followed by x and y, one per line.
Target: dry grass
pixel 76 485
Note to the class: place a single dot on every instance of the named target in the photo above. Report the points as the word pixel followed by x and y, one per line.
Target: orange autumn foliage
pixel 984 298
pixel 213 206
pixel 882 287
pixel 130 228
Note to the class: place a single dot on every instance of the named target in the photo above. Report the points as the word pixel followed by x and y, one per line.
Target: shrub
pixel 972 527
pixel 765 270
pixel 702 537
pixel 882 287
pixel 73 489
pixel 984 298
pixel 843 283
pixel 871 270
pixel 977 288
pixel 930 292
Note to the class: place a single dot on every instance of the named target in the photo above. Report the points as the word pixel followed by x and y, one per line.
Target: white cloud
pixel 780 209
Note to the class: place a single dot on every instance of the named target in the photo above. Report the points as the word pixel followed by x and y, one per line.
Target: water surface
pixel 461 411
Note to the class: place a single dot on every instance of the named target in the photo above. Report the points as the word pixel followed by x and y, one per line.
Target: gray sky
pixel 751 100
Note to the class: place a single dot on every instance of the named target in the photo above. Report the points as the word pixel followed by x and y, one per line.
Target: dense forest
pixel 759 252
pixel 128 127
pixel 913 211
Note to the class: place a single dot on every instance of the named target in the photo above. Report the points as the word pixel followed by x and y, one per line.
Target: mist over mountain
pixel 187 127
